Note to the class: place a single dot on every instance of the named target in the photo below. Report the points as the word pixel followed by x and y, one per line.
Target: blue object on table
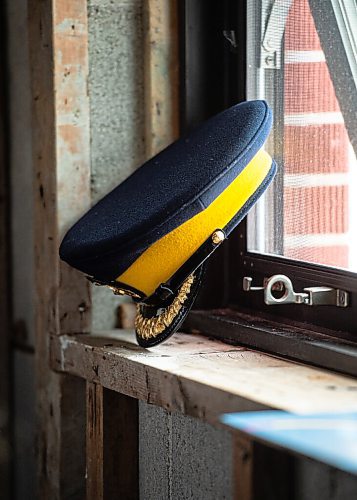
pixel 330 438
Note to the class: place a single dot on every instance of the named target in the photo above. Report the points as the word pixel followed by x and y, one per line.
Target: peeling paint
pixel 65 342
pixel 71 27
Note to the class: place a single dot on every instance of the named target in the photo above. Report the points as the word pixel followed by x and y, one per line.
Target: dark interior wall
pixel 21 241
pixel 5 301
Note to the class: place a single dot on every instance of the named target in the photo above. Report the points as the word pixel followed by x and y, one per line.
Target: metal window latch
pixel 278 289
pixel 274 16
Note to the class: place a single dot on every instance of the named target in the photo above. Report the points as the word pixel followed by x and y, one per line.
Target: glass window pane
pixel 310 213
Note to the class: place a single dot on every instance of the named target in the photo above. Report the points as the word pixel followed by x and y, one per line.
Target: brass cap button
pixel 218 236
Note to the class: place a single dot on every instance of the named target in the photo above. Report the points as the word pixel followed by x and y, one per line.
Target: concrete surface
pixel 116 110
pixel 182 458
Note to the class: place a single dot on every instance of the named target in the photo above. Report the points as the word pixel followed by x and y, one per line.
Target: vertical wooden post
pixel 261 472
pixel 242 467
pixel 61 183
pixel 94 441
pixel 112 445
pixel 274 473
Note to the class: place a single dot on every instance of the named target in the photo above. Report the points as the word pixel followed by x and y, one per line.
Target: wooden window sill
pixel 201 377
pixel 323 348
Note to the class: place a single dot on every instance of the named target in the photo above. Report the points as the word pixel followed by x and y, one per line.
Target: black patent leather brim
pixel 150 312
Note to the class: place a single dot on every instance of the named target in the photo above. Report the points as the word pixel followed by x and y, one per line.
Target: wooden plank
pixel 60 135
pixel 67 407
pixel 261 472
pixel 273 473
pixel 324 349
pixel 121 446
pixel 161 74
pixel 242 468
pixel 59 63
pixel 94 441
pixel 112 445
pixel 201 377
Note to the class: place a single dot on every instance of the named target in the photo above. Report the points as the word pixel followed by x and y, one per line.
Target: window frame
pixel 319 327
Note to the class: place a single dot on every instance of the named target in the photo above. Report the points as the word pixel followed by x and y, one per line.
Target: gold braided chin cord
pixel 148 328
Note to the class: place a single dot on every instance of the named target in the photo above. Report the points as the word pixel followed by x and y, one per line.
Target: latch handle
pixel 289 296
pixel 273 27
pixel 311 296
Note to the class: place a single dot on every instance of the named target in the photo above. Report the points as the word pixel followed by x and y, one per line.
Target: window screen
pixel 310 212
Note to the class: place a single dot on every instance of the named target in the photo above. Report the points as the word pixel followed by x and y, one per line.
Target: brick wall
pixel 315 149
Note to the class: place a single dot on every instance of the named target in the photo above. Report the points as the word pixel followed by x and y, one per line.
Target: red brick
pixel 308 89
pixel 300 32
pixel 315 210
pixel 315 149
pixel 336 256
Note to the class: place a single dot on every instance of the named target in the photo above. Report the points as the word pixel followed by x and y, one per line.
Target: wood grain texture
pixel 325 349
pixel 201 377
pixel 261 472
pixel 243 468
pixel 112 445
pixel 161 74
pixel 60 142
pixel 94 441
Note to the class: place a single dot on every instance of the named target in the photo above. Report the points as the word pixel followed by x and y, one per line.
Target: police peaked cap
pixel 149 237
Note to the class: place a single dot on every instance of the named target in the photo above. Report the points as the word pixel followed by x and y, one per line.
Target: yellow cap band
pixel 164 257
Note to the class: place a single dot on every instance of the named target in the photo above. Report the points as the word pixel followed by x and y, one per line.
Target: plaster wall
pixel 116 111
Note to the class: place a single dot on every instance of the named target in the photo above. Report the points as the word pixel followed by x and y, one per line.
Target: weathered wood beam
pixel 273 473
pixel 201 377
pixel 261 472
pixel 242 468
pixel 112 445
pixel 95 430
pixel 61 182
